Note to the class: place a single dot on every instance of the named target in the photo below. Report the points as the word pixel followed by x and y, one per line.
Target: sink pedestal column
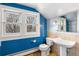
pixel 63 51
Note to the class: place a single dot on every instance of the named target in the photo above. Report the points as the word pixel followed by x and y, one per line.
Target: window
pixel 12 22
pixel 30 22
pixel 18 22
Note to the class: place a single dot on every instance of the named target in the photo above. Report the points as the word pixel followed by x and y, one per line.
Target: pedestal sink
pixel 64 44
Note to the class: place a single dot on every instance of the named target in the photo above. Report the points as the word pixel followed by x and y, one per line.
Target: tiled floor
pixel 38 53
pixel 52 54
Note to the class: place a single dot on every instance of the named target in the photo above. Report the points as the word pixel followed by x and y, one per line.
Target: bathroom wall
pixel 13 46
pixel 66 36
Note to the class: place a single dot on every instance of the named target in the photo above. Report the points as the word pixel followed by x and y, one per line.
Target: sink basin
pixel 64 43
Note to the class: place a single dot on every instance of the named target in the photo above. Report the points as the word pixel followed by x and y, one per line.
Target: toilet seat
pixel 43 47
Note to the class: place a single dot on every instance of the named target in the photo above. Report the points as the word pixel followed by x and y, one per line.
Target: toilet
pixel 45 48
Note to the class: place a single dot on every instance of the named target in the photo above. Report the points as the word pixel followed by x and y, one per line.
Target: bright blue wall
pixel 13 46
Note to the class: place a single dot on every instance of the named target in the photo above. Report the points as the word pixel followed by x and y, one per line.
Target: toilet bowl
pixel 45 48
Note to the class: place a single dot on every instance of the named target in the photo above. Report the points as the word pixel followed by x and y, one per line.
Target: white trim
pixel 16 38
pixel 25 52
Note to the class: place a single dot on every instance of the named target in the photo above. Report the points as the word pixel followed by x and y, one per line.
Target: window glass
pixel 12 21
pixel 12 28
pixel 31 28
pixel 31 23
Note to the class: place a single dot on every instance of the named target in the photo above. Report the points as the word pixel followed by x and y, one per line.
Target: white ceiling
pixel 51 10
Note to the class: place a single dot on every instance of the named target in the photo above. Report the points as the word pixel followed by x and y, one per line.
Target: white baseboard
pixel 25 52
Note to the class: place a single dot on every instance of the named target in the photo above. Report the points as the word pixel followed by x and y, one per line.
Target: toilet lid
pixel 43 46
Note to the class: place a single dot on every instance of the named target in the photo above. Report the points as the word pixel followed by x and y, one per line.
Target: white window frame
pixel 36 24
pixel 4 23
pixel 23 32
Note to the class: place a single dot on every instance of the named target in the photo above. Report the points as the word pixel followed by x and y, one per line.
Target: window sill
pixel 6 37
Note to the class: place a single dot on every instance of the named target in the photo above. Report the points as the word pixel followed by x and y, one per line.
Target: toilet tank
pixel 49 41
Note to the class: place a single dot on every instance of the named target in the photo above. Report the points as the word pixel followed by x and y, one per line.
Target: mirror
pixel 66 23
pixel 71 22
pixel 59 25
